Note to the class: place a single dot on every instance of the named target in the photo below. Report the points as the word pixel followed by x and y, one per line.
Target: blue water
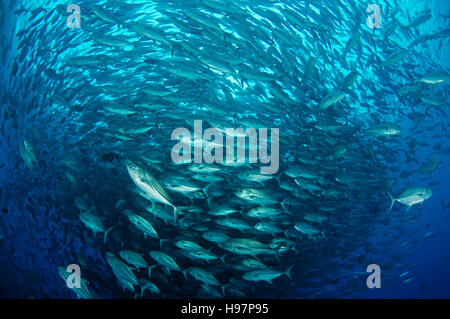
pixel 39 225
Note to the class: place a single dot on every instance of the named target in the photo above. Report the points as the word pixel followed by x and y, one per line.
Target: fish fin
pixel 206 188
pixel 224 288
pixel 175 215
pixel 205 192
pixel 278 179
pixel 242 82
pixel 409 207
pixel 150 271
pixel 284 206
pixel 185 274
pixel 223 258
pixel 392 200
pixel 161 241
pixel 288 272
pixel 277 255
pixel 323 235
pixel 105 235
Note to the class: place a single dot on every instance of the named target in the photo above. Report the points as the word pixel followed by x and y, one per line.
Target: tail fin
pixel 392 200
pixel 205 192
pixel 223 258
pixel 283 205
pixel 175 215
pixel 278 180
pixel 150 271
pixel 206 188
pixel 288 272
pixel 277 255
pixel 224 288
pixel 105 235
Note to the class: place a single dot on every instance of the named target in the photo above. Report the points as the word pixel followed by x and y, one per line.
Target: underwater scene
pixel 280 149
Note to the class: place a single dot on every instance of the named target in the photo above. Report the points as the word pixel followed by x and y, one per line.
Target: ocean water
pixel 354 111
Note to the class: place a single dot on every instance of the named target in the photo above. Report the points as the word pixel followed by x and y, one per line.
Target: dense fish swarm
pixel 87 121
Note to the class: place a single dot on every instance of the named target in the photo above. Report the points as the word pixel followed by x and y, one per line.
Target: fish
pixel 384 129
pixel 395 57
pixel 266 275
pixel 121 270
pixel 434 77
pixel 83 291
pixel 216 236
pixel 150 185
pixel 331 99
pixel 143 225
pixel 256 196
pixel 202 275
pixel 132 258
pixel 28 154
pixel 95 224
pixel 164 260
pixel 247 246
pixel 309 230
pixel 411 196
pixel 150 286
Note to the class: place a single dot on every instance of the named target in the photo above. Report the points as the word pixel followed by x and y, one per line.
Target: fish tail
pixel 161 241
pixel 223 258
pixel 392 200
pixel 205 192
pixel 277 255
pixel 283 205
pixel 288 272
pixel 175 214
pixel 224 288
pixel 278 179
pixel 105 235
pixel 150 271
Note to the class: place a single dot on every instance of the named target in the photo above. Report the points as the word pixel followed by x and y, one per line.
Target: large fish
pixel 150 185
pixel 411 196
